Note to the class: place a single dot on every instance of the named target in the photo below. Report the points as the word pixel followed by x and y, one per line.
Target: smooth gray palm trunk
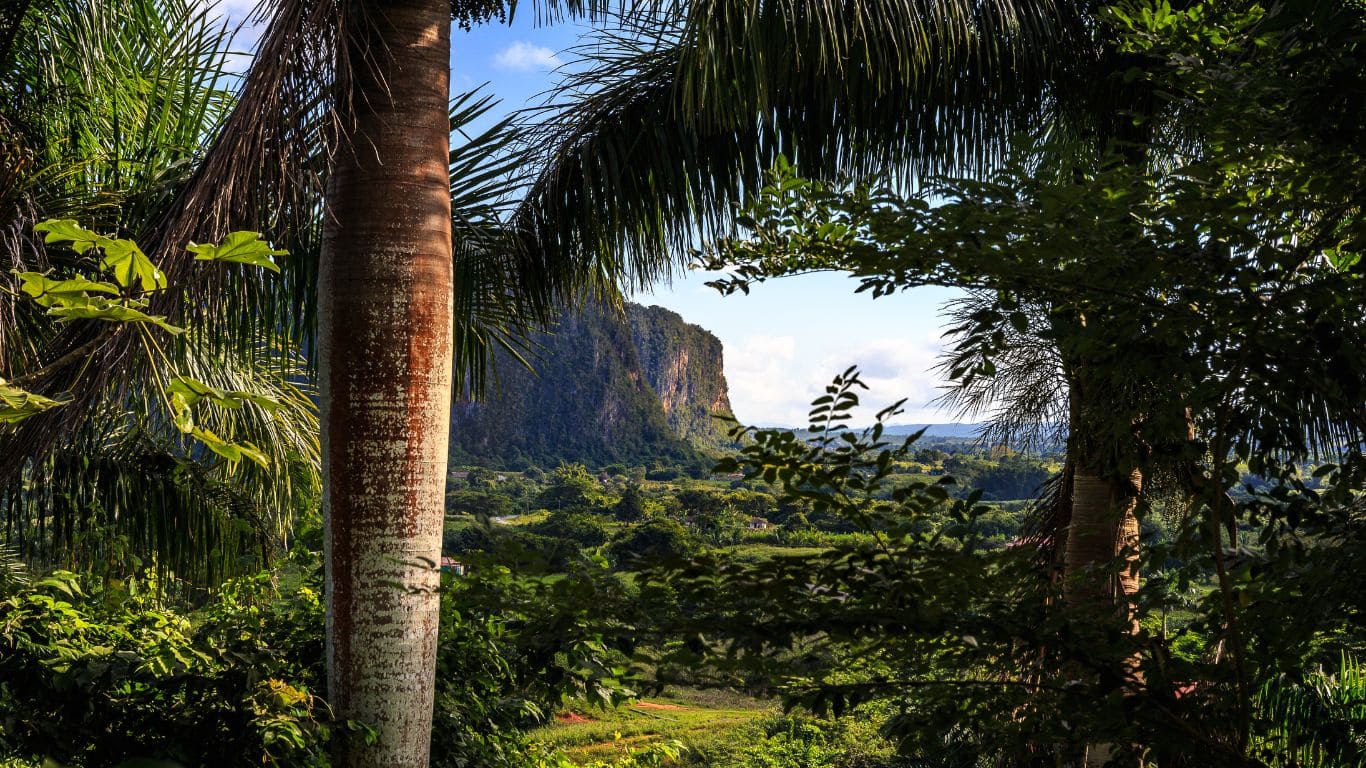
pixel 385 357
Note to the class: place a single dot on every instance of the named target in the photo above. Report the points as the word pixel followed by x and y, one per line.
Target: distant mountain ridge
pixel 966 430
pixel 958 430
pixel 636 387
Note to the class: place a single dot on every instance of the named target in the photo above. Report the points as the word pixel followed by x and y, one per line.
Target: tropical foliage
pixel 1165 276
pixel 1214 270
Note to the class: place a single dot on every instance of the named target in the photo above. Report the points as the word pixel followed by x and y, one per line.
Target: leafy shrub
pixel 649 756
pixel 802 741
pixel 99 679
pixel 657 539
pixel 570 485
pixel 631 507
pixel 579 527
pixel 96 679
pixel 512 647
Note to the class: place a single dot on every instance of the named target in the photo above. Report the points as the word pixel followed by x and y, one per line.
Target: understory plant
pixel 98 677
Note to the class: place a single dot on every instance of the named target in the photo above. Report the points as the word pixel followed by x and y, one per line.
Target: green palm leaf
pixel 669 121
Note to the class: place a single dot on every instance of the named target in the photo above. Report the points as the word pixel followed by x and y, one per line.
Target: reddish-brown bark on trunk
pixel 385 357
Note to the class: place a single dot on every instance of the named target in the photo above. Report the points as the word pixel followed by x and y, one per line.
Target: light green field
pixel 768 551
pixel 690 716
pixel 537 516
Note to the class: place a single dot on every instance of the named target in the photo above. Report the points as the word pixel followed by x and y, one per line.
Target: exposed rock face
pixel 683 363
pixel 637 389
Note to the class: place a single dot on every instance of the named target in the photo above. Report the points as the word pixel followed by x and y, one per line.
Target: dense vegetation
pixel 1150 560
pixel 536 623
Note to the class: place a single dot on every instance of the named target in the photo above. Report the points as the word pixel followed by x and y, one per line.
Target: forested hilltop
pixel 633 387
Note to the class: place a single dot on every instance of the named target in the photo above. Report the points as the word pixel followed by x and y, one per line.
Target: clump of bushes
pixel 100 677
pixel 658 539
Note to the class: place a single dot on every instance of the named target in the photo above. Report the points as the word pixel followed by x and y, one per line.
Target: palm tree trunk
pixel 1103 527
pixel 385 317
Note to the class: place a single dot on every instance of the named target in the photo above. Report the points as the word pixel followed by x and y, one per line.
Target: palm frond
pixel 13 571
pixel 128 486
pixel 493 309
pixel 668 120
pixel 110 104
pixel 1317 721
pixel 1024 405
pixel 263 170
pixel 113 104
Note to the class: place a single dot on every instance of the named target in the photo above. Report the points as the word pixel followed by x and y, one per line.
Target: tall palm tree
pixel 346 107
pixel 385 347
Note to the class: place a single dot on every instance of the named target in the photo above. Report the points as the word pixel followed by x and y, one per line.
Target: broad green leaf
pixel 18 404
pixel 68 231
pixel 110 311
pixel 62 581
pixel 239 248
pixel 48 293
pixel 1342 260
pixel 233 452
pixel 128 263
pixel 217 444
pixel 193 392
pixel 121 257
pixel 181 415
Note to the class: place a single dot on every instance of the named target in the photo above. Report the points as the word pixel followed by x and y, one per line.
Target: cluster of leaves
pixel 99 678
pixel 789 740
pixel 910 607
pixel 564 628
pixel 962 643
pixel 654 755
pixel 224 451
pixel 121 300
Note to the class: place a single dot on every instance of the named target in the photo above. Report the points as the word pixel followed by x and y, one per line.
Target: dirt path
pixel 652 705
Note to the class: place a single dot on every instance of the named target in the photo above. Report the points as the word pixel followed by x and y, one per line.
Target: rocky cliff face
pixel 683 364
pixel 636 389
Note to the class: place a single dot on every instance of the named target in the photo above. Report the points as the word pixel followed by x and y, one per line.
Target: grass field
pixel 690 716
pixel 757 552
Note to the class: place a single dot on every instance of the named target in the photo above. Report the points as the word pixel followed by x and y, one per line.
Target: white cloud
pixel 526 57
pixel 773 379
pixel 893 369
pixel 755 370
pixel 236 9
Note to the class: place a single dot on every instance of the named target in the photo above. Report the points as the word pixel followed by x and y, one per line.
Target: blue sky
pixel 785 340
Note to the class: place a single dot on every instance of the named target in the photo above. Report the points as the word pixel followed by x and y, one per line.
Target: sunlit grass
pixel 693 717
